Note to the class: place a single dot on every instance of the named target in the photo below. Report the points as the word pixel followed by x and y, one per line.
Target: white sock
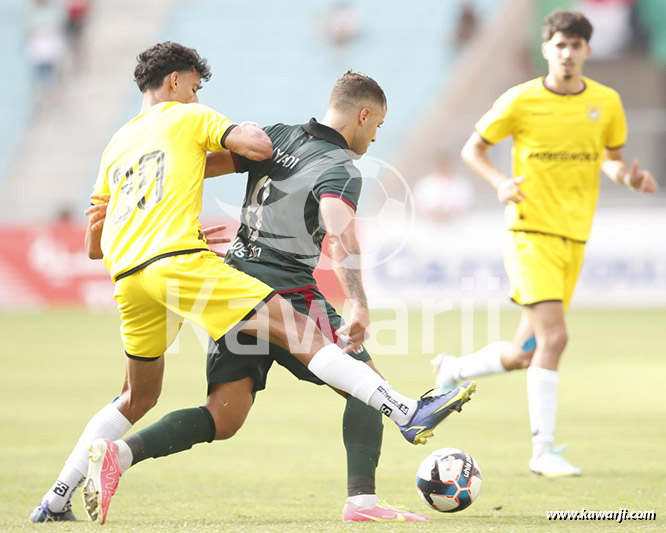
pixel 107 423
pixel 542 403
pixel 339 370
pixel 488 360
pixel 363 500
pixel 61 492
pixel 397 407
pixel 125 456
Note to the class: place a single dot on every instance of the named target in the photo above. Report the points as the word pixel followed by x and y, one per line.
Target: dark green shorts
pixel 238 356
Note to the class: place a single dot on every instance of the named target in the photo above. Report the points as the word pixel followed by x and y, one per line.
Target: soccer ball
pixel 448 480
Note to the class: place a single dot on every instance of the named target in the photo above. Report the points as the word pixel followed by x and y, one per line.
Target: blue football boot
pixel 431 410
pixel 42 513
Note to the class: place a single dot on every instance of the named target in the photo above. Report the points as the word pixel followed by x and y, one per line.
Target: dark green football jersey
pixel 280 237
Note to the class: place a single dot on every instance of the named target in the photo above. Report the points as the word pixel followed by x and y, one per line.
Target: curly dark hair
pixel 570 23
pixel 353 89
pixel 164 58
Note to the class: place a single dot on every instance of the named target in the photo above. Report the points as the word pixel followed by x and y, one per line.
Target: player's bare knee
pixel 145 404
pixel 561 339
pixel 229 405
pixel 517 361
pixel 554 341
pixel 524 359
pixel 226 427
pixel 226 432
pixel 515 358
pixel 134 406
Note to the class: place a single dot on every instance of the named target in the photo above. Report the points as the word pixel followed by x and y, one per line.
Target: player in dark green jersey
pixel 311 173
pixel 309 187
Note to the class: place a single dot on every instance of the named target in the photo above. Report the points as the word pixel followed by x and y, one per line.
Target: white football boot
pixel 552 464
pixel 446 369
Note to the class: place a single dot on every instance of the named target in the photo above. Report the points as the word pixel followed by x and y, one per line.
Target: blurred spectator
pixel 340 25
pixel 444 194
pixel 611 20
pixel 77 11
pixel 468 23
pixel 45 42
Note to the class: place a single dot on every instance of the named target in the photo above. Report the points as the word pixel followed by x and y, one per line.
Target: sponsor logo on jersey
pixel 564 156
pixel 281 157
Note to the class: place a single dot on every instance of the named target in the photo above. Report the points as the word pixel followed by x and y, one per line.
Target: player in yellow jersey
pixel 565 129
pixel 146 227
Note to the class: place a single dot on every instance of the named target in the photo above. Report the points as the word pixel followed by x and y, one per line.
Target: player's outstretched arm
pixel 345 252
pixel 97 214
pixel 218 164
pixel 250 141
pixel 617 169
pixel 475 154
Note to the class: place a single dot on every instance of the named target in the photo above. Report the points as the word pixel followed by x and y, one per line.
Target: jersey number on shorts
pixel 142 185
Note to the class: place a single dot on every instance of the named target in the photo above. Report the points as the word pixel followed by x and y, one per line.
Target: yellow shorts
pixel 199 287
pixel 542 267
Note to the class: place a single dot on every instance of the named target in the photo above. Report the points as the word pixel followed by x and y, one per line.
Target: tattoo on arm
pixel 350 276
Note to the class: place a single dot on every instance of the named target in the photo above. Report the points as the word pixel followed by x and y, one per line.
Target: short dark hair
pixel 353 89
pixel 164 58
pixel 570 23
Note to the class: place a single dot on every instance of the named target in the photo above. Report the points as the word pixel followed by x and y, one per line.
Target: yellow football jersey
pixel 558 144
pixel 153 170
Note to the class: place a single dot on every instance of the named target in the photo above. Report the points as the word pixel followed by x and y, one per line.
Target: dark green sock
pixel 173 433
pixel 362 430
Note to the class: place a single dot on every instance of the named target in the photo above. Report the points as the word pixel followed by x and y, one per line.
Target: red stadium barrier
pixel 48 265
pixel 45 266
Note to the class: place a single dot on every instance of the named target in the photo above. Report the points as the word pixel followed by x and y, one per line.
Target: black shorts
pixel 238 356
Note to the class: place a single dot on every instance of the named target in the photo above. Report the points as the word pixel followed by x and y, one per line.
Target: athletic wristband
pixel 627 182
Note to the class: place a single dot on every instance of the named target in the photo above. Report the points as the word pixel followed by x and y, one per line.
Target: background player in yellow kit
pixel 565 128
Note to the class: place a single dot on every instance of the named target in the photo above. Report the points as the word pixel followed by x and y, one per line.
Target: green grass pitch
pixel 285 470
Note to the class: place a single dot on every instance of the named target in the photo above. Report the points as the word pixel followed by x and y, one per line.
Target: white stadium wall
pixel 625 263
